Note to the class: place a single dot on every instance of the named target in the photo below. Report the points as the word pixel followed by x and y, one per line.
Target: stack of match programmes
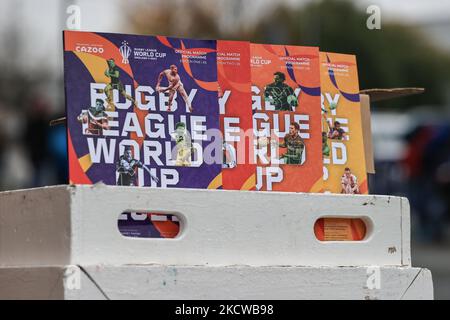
pixel 164 112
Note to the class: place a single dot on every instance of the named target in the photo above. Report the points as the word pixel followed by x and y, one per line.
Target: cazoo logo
pixel 89 48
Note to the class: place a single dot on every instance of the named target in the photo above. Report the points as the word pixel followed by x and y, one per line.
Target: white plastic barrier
pixel 202 282
pixel 77 225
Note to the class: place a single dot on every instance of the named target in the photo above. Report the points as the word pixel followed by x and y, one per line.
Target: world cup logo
pixel 125 51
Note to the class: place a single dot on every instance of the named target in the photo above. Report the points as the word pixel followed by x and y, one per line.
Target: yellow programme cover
pixel 344 163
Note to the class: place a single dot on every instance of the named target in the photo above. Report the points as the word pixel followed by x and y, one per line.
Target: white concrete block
pixel 77 225
pixel 406 235
pixel 202 282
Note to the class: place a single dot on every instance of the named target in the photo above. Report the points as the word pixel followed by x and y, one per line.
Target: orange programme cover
pixel 286 117
pixel 234 77
pixel 342 137
pixel 344 168
pixel 340 229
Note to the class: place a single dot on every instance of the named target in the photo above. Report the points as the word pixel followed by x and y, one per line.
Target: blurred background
pixel 411 49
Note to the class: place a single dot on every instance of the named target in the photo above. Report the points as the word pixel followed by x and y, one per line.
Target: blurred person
pixel 437 153
pixel 57 145
pixel 428 149
pixel 35 137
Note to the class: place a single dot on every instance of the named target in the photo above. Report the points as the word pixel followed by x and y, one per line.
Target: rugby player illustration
pixel 113 74
pixel 126 167
pixel 95 118
pixel 175 85
pixel 295 145
pixel 325 146
pixel 349 182
pixel 280 94
pixel 183 145
pixel 333 106
pixel 229 155
pixel 335 132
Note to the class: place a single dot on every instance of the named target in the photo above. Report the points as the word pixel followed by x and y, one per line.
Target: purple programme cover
pixel 142 110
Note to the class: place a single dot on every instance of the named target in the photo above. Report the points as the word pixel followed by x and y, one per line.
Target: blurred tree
pixel 174 17
pixel 395 56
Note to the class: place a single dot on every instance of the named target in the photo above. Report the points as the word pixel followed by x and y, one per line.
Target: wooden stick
pixel 56 122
